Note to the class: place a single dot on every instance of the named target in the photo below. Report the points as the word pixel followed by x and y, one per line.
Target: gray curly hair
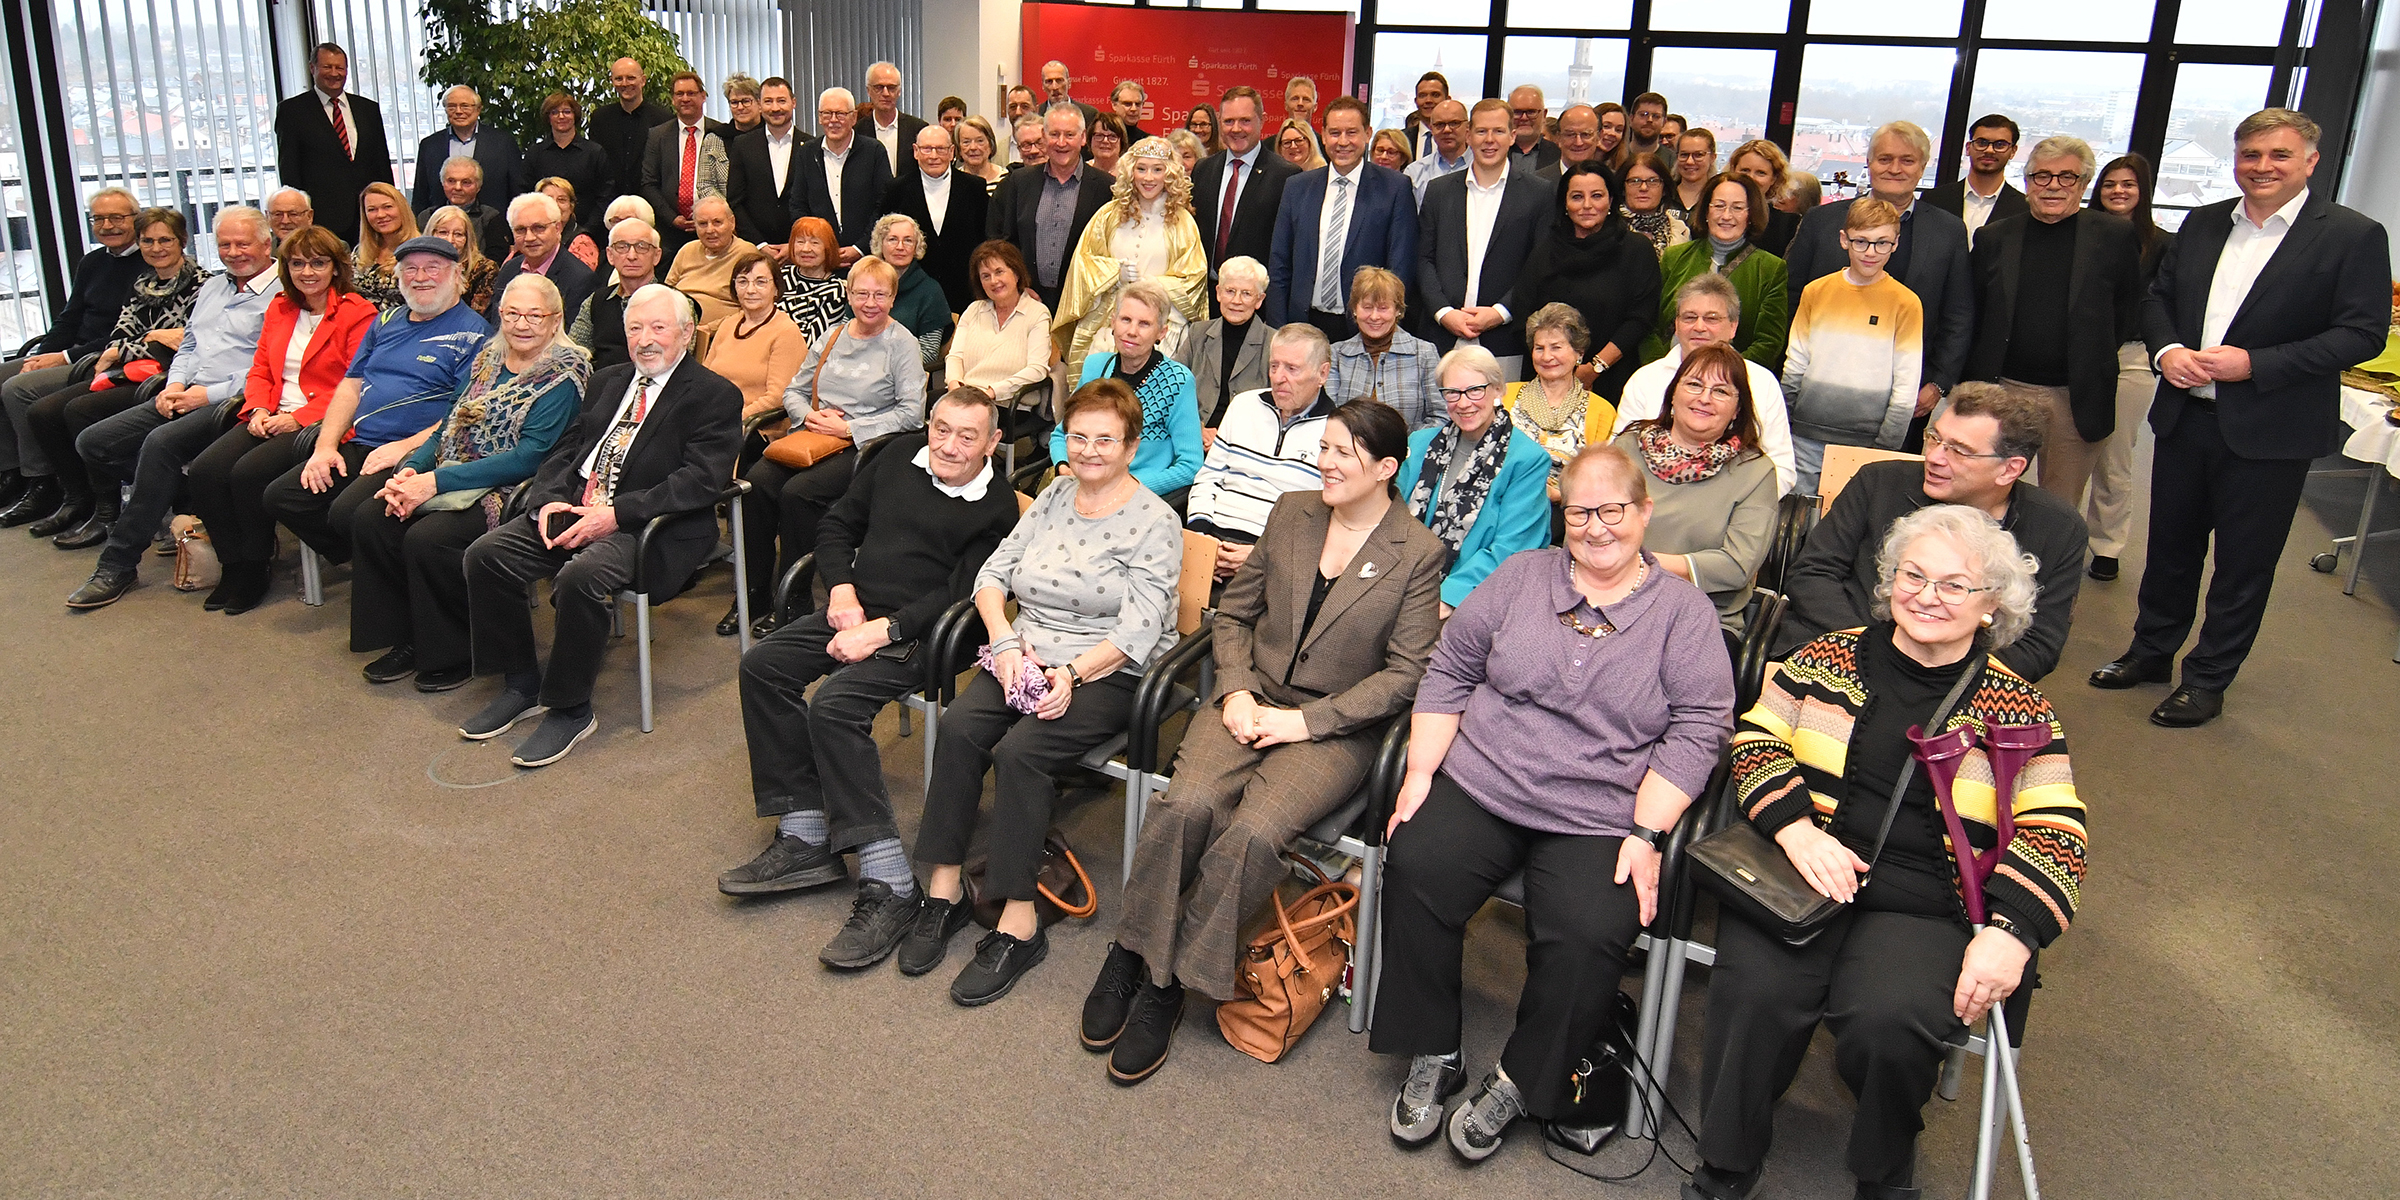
pixel 1998 565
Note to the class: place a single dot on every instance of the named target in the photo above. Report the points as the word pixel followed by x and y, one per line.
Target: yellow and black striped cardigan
pixel 1791 751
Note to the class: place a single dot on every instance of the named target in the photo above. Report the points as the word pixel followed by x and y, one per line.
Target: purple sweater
pixel 1557 729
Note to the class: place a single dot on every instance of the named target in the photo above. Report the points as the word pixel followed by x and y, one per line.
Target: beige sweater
pixel 707 280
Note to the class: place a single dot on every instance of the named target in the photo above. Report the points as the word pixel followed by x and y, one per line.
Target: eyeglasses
pixel 1449 124
pixel 630 247
pixel 2058 178
pixel 1646 181
pixel 1527 113
pixel 1610 515
pixel 1908 581
pixel 1955 449
pixel 1878 246
pixel 544 227
pixel 1989 144
pixel 112 218
pixel 1473 391
pixel 521 317
pixel 1729 206
pixel 1102 444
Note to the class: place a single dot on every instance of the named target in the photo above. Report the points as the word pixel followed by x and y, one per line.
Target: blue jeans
pixel 162 448
pixel 1808 461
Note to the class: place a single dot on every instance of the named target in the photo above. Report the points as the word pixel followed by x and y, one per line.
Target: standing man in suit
pixel 760 182
pixel 2255 311
pixel 1449 157
pixel 331 144
pixel 623 130
pixel 890 128
pixel 657 436
pixel 1931 261
pixel 683 161
pixel 466 136
pixel 837 184
pixel 1578 140
pixel 1020 106
pixel 1985 195
pixel 951 212
pixel 1042 210
pixel 1432 88
pixel 1527 114
pixel 1474 233
pixel 1236 191
pixel 1347 214
pixel 1054 92
pixel 1127 99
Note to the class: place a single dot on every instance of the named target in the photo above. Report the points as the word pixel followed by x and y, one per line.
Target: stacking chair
pixel 1843 462
pixel 1795 515
pixel 644 592
pixel 312 577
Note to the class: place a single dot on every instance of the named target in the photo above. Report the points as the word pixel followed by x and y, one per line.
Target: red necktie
pixel 341 128
pixel 691 168
pixel 612 453
pixel 1233 183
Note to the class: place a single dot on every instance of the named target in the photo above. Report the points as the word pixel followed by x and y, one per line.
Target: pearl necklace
pixel 1106 501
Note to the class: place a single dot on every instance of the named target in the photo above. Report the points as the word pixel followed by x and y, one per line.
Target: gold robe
pixel 1087 303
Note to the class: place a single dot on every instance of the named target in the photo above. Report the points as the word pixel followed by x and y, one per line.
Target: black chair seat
pixel 1341 821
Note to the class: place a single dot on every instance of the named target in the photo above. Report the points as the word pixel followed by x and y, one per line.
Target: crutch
pixel 2007 749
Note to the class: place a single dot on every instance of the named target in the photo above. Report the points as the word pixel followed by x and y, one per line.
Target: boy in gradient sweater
pixel 1850 369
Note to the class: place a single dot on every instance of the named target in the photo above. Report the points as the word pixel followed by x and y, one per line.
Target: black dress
pixel 1603 278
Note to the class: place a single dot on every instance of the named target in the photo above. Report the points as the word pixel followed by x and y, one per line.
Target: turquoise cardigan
pixel 1760 280
pixel 1515 515
pixel 1168 456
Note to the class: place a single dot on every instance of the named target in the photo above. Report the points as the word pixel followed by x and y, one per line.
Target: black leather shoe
pixel 1000 961
pixel 1716 1183
pixel 92 532
pixel 2103 568
pixel 1111 998
pixel 40 499
pixel 1885 1191
pixel 73 510
pixel 732 622
pixel 102 589
pixel 250 584
pixel 928 941
pixel 1149 1033
pixel 12 487
pixel 2130 672
pixel 397 663
pixel 444 679
pixel 2188 707
pixel 788 864
pixel 762 626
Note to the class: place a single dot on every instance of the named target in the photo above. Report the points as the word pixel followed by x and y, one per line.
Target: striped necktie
pixel 1329 255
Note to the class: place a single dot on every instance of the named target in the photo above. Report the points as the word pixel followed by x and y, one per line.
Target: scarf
pixel 1658 225
pixel 1552 417
pixel 1455 514
pixel 490 414
pixel 1674 464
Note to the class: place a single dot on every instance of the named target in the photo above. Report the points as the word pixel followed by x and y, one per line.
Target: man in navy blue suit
pixel 467 136
pixel 1368 211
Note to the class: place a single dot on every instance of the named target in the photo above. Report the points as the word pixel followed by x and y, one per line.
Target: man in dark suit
pixel 1127 99
pixel 1931 260
pixel 462 184
pixel 331 144
pixel 535 221
pixel 683 161
pixel 884 124
pixel 467 136
pixel 2251 319
pixel 761 183
pixel 1055 82
pixel 1578 139
pixel 1366 213
pixel 1042 210
pixel 2057 291
pixel 623 130
pixel 1246 227
pixel 657 437
pixel 838 183
pixel 1530 145
pixel 950 209
pixel 1474 232
pixel 1985 195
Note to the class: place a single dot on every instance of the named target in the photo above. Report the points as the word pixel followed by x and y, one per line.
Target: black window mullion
pixel 1783 90
pixel 1362 42
pixel 1638 44
pixel 2287 52
pixel 1952 140
pixel 2154 104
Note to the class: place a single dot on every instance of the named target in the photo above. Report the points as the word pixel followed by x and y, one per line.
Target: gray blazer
pixel 1361 661
pixel 1206 345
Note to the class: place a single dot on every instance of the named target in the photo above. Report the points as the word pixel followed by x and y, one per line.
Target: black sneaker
pixel 1417 1111
pixel 928 941
pixel 1717 1183
pixel 444 679
pixel 553 738
pixel 503 712
pixel 2103 568
pixel 1111 1001
pixel 1885 1191
pixel 396 664
pixel 1149 1031
pixel 878 920
pixel 1476 1126
pixel 1000 960
pixel 788 864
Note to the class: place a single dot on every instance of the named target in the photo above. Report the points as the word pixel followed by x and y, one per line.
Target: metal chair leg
pixel 1362 955
pixel 312 577
pixel 641 621
pixel 741 577
pixel 2366 521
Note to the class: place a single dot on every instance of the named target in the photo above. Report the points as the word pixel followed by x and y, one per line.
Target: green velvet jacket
pixel 1759 279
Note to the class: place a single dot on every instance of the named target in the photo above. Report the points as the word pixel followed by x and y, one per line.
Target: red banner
pixel 1183 57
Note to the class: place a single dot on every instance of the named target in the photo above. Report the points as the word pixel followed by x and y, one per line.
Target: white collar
pixel 257 285
pixel 324 98
pixel 471 135
pixel 658 382
pixel 700 125
pixel 932 181
pixel 788 132
pixel 1332 173
pixel 879 120
pixel 974 489
pixel 1969 185
pixel 1478 185
pixel 2290 212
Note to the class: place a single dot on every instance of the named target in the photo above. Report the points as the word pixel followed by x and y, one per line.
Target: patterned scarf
pixel 490 413
pixel 1674 464
pixel 1656 225
pixel 1455 514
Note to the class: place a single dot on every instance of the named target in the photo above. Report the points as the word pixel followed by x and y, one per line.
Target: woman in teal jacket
pixel 1168 456
pixel 1722 234
pixel 1477 481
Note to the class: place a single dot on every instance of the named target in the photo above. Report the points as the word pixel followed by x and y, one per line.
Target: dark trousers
pixel 2198 488
pixel 229 483
pixel 1444 863
pixel 789 504
pixel 584 584
pixel 57 419
pixel 1882 984
pixel 408 582
pixel 324 519
pixel 1337 326
pixel 19 388
pixel 820 755
pixel 152 451
pixel 981 732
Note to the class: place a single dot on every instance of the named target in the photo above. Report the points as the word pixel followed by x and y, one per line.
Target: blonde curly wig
pixel 1177 194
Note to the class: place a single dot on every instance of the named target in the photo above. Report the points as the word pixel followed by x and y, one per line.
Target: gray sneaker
pixel 788 864
pixel 878 920
pixel 1475 1127
pixel 499 716
pixel 1432 1079
pixel 557 734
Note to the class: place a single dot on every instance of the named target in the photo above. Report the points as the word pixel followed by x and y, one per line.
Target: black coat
pixel 1951 198
pixel 575 281
pixel 2104 299
pixel 585 167
pixel 945 254
pixel 680 460
pixel 308 156
pixel 910 127
pixel 762 215
pixel 1014 217
pixel 1610 277
pixel 103 282
pixel 865 174
pixel 495 151
pixel 1253 231
pixel 621 136
pixel 1441 268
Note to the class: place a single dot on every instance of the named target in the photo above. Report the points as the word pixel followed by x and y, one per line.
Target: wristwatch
pixel 1648 836
pixel 1074 676
pixel 891 629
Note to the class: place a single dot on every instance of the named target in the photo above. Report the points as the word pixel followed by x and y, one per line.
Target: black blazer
pixel 662 171
pixel 621 135
pixel 1441 268
pixel 2104 303
pixel 761 215
pixel 1016 207
pixel 680 460
pixel 1951 198
pixel 910 127
pixel 1937 271
pixel 503 174
pixel 309 157
pixel 585 167
pixel 1253 232
pixel 2323 303
pixel 944 254
pixel 865 174
pixel 575 281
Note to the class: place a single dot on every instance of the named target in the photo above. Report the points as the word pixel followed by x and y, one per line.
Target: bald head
pixel 629 80
pixel 933 150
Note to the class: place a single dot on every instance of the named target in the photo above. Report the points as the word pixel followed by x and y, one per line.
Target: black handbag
pixel 1752 876
pixel 1603 1080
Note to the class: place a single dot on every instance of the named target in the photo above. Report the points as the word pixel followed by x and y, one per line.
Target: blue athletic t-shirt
pixel 410 370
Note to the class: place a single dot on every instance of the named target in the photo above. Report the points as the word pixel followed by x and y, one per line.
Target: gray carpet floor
pixel 266 930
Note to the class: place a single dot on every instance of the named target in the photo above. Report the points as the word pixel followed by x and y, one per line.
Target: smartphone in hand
pixel 556 523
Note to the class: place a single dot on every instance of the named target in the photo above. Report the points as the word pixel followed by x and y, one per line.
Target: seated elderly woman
pixel 703 269
pixel 1590 646
pixel 408 582
pixel 1477 481
pixel 1714 489
pixel 1003 342
pixel 1382 361
pixel 860 383
pixel 1899 974
pixel 1227 353
pixel 1289 740
pixel 812 295
pixel 1170 450
pixel 1093 567
pixel 759 350
pixel 920 305
pixel 1553 407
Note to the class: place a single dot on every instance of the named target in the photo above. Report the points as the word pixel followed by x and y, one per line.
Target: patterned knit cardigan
pixel 1791 750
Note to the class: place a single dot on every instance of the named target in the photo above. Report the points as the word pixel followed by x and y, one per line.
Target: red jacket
pixel 321 371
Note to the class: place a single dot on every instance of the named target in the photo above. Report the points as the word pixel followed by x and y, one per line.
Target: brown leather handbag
pixel 1291 969
pixel 1065 889
pixel 804 448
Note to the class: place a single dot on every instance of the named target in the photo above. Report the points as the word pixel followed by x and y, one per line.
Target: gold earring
pixel 1987 621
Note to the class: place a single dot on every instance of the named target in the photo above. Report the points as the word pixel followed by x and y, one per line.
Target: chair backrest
pixel 1843 462
pixel 1199 575
pixel 1060 385
pixel 701 337
pixel 1024 503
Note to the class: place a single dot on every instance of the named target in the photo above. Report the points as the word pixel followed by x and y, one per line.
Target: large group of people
pixel 1485 428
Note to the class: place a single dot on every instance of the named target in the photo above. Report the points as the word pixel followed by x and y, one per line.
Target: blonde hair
pixel 372 248
pixel 1177 194
pixel 1316 157
pixel 473 258
pixel 871 265
pixel 1376 283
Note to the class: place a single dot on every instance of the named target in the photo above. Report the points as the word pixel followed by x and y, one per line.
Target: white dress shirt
pixel 888 136
pixel 658 387
pixel 1483 211
pixel 1646 395
pixel 937 198
pixel 1241 182
pixel 2246 252
pixel 835 161
pixel 971 492
pixel 1327 233
pixel 779 154
pixel 1975 208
